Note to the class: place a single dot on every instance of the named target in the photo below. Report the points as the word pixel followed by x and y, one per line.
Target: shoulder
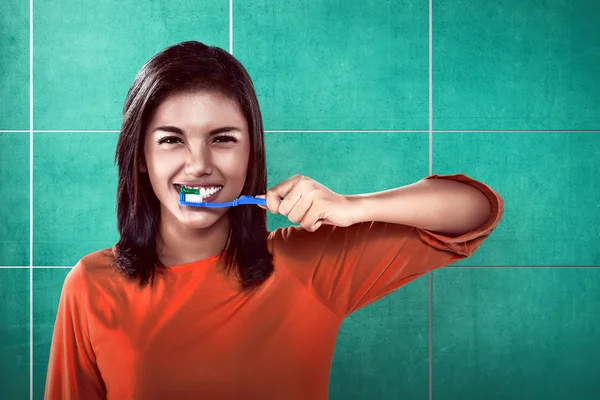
pixel 97 263
pixel 93 268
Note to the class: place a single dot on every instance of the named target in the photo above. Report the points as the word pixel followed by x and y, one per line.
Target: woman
pixel 205 302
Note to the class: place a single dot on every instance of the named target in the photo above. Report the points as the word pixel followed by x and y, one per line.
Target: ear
pixel 143 168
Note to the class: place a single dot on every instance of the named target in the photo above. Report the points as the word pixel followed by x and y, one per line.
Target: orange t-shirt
pixel 196 335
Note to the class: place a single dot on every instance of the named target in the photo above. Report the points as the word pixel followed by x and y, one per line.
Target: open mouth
pixel 207 194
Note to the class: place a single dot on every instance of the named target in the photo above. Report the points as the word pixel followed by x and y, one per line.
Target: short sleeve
pixel 349 268
pixel 72 371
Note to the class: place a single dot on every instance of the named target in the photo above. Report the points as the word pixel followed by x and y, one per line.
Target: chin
pixel 199 219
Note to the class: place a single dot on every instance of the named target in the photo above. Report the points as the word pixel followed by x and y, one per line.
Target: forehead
pixel 198 111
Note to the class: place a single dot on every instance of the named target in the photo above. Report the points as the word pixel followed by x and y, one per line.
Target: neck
pixel 181 245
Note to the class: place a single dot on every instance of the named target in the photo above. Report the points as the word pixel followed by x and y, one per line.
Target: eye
pixel 227 138
pixel 168 139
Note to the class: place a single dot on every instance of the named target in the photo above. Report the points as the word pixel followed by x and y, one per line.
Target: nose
pixel 198 162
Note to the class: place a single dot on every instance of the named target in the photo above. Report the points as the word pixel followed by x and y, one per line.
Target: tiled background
pixel 345 89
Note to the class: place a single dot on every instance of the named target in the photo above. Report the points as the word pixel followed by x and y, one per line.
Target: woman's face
pixel 196 139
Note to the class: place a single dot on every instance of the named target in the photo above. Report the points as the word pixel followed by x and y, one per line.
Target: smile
pixel 203 193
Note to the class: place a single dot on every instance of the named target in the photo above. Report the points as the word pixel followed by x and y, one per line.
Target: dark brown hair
pixel 187 67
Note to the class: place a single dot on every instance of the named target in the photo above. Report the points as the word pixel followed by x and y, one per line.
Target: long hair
pixel 187 67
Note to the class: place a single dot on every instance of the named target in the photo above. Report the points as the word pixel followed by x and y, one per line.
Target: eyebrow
pixel 174 129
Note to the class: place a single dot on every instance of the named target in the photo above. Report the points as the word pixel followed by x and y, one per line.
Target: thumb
pixel 261 196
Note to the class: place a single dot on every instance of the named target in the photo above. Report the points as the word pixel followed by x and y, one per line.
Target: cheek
pixel 161 166
pixel 239 165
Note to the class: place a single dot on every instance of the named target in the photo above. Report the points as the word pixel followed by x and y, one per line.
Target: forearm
pixel 440 205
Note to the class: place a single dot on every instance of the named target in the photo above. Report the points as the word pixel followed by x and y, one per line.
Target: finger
pixel 312 220
pixel 291 201
pixel 279 192
pixel 294 194
pixel 299 210
pixel 261 196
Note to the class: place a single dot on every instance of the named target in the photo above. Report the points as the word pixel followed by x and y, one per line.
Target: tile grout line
pixel 341 130
pixel 430 173
pixel 31 199
pixel 231 27
pixel 345 130
pixel 516 130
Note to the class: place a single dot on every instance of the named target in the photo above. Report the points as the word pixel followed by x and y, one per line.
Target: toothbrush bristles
pixel 194 198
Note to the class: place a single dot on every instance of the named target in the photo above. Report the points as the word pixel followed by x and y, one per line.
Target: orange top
pixel 195 335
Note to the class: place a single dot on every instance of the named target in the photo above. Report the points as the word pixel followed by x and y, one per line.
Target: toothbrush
pixel 190 197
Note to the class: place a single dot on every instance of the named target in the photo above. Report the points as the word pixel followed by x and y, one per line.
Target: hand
pixel 310 204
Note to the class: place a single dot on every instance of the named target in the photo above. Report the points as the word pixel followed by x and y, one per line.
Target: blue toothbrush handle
pixel 239 201
pixel 249 200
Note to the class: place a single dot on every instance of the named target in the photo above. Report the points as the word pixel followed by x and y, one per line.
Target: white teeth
pixel 204 193
pixel 208 192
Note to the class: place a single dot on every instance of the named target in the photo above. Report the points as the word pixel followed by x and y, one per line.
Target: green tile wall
pixel 345 94
pixel 88 52
pixel 14 65
pixel 550 184
pixel 517 333
pixel 74 195
pixel 336 64
pixel 516 64
pixel 14 333
pixel 14 181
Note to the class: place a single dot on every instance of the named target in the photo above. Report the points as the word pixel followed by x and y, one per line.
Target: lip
pixel 198 184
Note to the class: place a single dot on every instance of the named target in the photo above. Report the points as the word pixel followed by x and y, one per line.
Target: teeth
pixel 208 192
pixel 204 193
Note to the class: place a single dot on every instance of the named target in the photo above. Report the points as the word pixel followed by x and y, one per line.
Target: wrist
pixel 360 208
